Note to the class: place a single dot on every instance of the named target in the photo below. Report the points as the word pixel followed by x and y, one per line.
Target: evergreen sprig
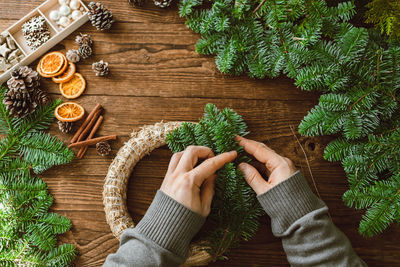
pixel 27 229
pixel 385 15
pixel 356 69
pixel 235 209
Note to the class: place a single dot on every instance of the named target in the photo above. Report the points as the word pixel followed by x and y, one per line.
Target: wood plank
pixel 157 75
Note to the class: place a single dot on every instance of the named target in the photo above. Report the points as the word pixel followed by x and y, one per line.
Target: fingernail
pixel 233 152
pixel 242 166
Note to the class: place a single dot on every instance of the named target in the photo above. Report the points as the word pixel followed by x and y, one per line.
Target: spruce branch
pixel 28 230
pixel 355 69
pixel 235 210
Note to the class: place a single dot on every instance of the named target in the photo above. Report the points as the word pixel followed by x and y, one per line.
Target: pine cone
pixel 19 102
pixel 24 78
pixel 85 51
pixel 162 3
pixel 83 39
pixel 73 55
pixel 41 97
pixel 103 148
pixel 101 68
pixel 99 16
pixel 138 3
pixel 30 77
pixel 65 126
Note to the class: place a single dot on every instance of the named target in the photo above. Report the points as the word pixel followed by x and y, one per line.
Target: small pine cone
pixel 73 55
pixel 41 97
pixel 162 3
pixel 83 39
pixel 138 3
pixel 65 126
pixel 99 16
pixel 100 68
pixel 85 51
pixel 103 148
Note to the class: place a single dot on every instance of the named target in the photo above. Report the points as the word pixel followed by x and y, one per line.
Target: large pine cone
pixel 19 103
pixel 24 77
pixel 99 16
pixel 41 97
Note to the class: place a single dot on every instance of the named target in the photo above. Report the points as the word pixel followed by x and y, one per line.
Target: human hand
pixel 194 187
pixel 278 168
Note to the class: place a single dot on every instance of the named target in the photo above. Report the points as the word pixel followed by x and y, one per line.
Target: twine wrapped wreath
pixel 141 143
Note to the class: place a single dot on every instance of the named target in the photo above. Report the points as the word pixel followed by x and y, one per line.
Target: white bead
pixel 74 4
pixel 63 2
pixel 76 14
pixel 54 15
pixel 64 21
pixel 64 10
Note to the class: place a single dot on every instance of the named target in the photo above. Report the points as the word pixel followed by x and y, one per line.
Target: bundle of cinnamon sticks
pixel 83 138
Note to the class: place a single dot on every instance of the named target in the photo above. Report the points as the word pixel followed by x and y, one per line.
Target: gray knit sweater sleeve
pixel 309 237
pixel 161 238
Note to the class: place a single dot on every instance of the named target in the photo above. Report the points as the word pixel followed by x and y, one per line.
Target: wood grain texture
pixel 157 75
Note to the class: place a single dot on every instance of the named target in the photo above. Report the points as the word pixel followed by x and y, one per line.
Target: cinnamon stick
pixel 83 149
pixel 93 141
pixel 89 126
pixel 85 123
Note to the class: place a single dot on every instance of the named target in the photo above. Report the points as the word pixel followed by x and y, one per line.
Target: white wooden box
pixel 56 34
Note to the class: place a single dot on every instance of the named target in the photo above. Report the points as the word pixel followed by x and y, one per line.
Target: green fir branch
pixel 235 210
pixel 356 69
pixel 28 230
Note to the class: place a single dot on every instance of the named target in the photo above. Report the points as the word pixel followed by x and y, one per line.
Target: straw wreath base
pixel 141 143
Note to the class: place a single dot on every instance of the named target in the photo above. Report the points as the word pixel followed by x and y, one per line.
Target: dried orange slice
pixel 67 75
pixel 61 71
pixel 52 63
pixel 63 68
pixel 74 87
pixel 69 112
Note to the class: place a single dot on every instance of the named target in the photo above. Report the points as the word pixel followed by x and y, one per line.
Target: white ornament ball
pixel 74 4
pixel 54 15
pixel 64 21
pixel 76 14
pixel 64 10
pixel 63 2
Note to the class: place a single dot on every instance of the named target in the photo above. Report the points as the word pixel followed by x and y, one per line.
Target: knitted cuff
pixel 170 224
pixel 288 201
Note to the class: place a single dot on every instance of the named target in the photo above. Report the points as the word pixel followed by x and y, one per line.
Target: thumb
pixel 254 179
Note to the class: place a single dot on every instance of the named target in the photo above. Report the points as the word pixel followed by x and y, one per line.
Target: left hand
pixel 194 187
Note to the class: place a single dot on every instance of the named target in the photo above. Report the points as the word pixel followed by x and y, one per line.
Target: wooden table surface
pixel 157 75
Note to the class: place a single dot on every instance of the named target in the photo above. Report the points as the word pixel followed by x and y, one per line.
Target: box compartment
pixel 16 32
pixel 56 34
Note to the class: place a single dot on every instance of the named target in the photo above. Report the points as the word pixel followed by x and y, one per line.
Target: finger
pixel 211 165
pixel 254 179
pixel 191 156
pixel 207 192
pixel 173 163
pixel 261 152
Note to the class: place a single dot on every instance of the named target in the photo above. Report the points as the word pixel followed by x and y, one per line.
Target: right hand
pixel 191 185
pixel 278 168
